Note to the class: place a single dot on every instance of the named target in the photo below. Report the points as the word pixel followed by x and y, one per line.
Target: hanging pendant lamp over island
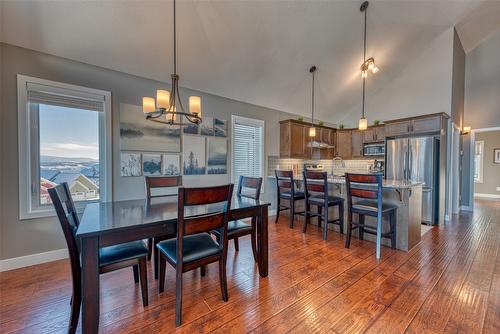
pixel 368 65
pixel 168 105
pixel 312 129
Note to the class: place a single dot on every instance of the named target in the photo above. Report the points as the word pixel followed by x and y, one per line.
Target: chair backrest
pixel 315 183
pixel 160 182
pixel 364 186
pixel 68 218
pixel 205 221
pixel 249 187
pixel 284 181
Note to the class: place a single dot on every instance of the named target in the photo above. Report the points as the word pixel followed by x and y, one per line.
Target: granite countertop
pixel 387 184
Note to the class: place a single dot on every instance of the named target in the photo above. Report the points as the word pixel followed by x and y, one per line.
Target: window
pixel 248 148
pixel 64 136
pixel 478 161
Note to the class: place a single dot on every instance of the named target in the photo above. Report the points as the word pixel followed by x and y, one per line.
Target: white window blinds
pixel 248 147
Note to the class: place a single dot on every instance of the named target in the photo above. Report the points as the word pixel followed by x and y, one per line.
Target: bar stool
pixel 367 190
pixel 316 191
pixel 285 187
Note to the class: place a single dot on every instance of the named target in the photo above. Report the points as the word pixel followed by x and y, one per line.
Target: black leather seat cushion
pixel 235 226
pixel 297 194
pixel 371 206
pixel 320 200
pixel 122 252
pixel 195 247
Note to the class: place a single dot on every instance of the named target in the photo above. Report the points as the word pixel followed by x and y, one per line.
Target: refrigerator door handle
pixel 410 160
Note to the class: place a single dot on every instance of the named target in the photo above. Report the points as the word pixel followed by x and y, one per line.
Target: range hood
pixel 319 144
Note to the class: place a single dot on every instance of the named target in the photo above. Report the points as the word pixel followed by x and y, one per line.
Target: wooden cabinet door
pixel 298 145
pixel 429 124
pixel 357 144
pixel 326 136
pixel 397 128
pixel 369 135
pixel 343 145
pixel 285 140
pixel 380 133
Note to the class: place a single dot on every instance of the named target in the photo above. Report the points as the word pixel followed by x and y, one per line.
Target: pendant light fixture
pixel 312 129
pixel 168 108
pixel 368 65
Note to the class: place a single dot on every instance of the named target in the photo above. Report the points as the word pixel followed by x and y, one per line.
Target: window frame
pixel 481 167
pixel 27 146
pixel 250 122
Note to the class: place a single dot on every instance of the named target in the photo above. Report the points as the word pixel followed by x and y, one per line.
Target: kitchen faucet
pixel 335 161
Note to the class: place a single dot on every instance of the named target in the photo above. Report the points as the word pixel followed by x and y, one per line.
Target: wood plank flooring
pixel 449 283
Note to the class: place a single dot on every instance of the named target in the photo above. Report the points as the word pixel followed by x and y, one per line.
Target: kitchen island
pixel 406 196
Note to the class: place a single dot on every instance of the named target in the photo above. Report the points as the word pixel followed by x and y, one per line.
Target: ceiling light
pixel 312 130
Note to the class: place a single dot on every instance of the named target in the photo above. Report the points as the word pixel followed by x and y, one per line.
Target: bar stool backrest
pixel 315 183
pixel 364 186
pixel 284 181
pixel 249 187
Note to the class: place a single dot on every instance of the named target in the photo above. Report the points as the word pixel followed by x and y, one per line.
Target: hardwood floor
pixel 449 283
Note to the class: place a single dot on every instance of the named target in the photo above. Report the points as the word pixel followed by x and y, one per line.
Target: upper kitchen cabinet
pixel 343 147
pixel 357 143
pixel 374 134
pixel 294 139
pixel 417 125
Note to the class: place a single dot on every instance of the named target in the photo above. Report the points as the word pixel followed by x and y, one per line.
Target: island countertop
pixel 386 183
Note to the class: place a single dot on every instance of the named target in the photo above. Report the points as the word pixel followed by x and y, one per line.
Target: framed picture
pixel 207 126
pixel 139 134
pixel 151 164
pixel 191 129
pixel 496 155
pixel 171 164
pixel 217 155
pixel 130 164
pixel 220 127
pixel 194 155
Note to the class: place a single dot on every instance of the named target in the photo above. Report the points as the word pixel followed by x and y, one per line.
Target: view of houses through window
pixel 68 151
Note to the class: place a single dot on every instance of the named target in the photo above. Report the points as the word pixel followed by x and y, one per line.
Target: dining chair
pixel 316 191
pixel 159 187
pixel 248 187
pixel 131 254
pixel 193 246
pixel 285 188
pixel 364 198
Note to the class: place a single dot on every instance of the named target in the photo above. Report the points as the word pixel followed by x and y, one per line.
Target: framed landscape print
pixel 192 129
pixel 171 164
pixel 139 134
pixel 207 126
pixel 130 164
pixel 496 155
pixel 194 155
pixel 151 164
pixel 220 127
pixel 217 155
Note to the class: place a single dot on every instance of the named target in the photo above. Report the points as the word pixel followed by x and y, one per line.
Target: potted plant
pixel 376 122
pixel 301 119
pixel 321 123
pixel 341 126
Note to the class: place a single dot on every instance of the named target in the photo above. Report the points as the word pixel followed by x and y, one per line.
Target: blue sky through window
pixel 68 132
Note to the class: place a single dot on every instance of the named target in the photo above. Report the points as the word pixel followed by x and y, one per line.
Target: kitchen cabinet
pixel 374 134
pixel 357 143
pixel 294 140
pixel 427 124
pixel 397 128
pixel 343 147
pixel 417 125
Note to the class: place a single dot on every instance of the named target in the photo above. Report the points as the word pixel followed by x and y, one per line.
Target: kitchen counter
pixel 406 196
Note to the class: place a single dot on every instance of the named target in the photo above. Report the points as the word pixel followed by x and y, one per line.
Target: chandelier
pixel 368 65
pixel 167 108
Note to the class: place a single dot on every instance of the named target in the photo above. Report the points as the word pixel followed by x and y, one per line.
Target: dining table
pixel 110 223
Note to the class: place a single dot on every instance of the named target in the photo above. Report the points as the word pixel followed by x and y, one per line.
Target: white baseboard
pixel 466 208
pixel 486 195
pixel 271 212
pixel 30 260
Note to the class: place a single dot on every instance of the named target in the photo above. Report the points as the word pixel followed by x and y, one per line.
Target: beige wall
pixel 19 238
pixel 491 171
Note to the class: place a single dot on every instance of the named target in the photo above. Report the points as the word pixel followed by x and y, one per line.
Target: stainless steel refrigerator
pixel 416 159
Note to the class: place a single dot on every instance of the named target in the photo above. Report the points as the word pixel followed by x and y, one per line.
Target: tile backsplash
pixel 297 165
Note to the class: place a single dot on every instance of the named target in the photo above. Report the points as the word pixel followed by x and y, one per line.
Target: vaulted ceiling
pixel 253 51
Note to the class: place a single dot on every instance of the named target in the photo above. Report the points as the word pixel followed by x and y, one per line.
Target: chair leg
pixel 144 280
pixel 236 245
pixel 203 270
pixel 76 302
pixel 150 248
pixel 325 223
pixel 136 273
pixel 379 236
pixel 341 217
pixel 156 262
pixel 278 207
pixel 307 219
pixel 178 297
pixel 292 212
pixel 163 268
pixel 223 279
pixel 361 226
pixel 320 211
pixel 349 233
pixel 393 229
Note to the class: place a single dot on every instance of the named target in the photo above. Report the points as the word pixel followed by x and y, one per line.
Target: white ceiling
pixel 253 51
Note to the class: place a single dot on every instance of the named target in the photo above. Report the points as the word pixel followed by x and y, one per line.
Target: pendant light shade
pixel 312 130
pixel 363 123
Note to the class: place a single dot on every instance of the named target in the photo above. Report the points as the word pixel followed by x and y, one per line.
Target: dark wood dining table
pixel 110 223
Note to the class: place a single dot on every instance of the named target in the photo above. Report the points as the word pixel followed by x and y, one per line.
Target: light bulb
pixel 371 65
pixel 195 105
pixel 363 123
pixel 162 99
pixel 312 132
pixel 148 105
pixel 375 69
